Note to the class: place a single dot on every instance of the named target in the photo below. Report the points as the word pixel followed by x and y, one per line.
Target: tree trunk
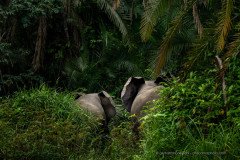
pixel 40 44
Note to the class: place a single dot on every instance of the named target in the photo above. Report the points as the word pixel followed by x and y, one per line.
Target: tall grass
pixel 45 124
pixel 185 123
pixel 163 139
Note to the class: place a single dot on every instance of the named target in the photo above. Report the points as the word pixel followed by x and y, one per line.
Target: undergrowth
pixel 44 124
pixel 188 121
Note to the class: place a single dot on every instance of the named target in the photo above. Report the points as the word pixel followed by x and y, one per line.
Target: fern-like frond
pixel 113 15
pixel 199 50
pixel 224 24
pixel 131 67
pixel 233 48
pixel 166 45
pixel 123 9
pixel 78 65
pixel 153 10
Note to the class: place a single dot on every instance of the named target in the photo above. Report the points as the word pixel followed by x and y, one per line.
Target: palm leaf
pixel 166 45
pixel 113 15
pixel 153 10
pixel 127 65
pixel 224 24
pixel 233 48
pixel 123 9
pixel 200 48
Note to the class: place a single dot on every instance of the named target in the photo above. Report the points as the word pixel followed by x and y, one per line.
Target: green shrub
pixel 196 98
pixel 124 145
pixel 187 122
pixel 45 124
pixel 163 140
pixel 233 92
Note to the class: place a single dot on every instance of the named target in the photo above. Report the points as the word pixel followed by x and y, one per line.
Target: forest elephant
pixel 137 93
pixel 100 104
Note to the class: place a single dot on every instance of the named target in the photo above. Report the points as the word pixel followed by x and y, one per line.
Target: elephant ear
pixel 107 104
pixel 130 91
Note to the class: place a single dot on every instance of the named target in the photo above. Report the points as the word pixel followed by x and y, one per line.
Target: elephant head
pixel 100 104
pixel 137 92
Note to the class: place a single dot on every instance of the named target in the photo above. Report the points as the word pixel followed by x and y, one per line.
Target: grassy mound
pixel 44 124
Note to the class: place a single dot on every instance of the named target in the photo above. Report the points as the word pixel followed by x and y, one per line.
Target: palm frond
pixel 124 10
pixel 126 65
pixel 153 10
pixel 113 15
pixel 78 65
pixel 166 45
pixel 199 51
pixel 224 24
pixel 233 48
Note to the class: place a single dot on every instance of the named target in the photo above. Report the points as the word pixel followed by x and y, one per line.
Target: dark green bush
pixel 196 98
pixel 45 124
pixel 233 94
pixel 187 122
pixel 14 74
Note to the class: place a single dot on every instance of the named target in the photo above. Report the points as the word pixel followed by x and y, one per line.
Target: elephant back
pixel 147 93
pixel 148 85
pixel 92 103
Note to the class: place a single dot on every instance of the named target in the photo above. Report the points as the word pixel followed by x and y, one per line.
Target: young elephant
pixel 100 104
pixel 137 93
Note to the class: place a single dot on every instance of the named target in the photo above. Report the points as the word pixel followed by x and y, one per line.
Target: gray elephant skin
pixel 100 104
pixel 137 93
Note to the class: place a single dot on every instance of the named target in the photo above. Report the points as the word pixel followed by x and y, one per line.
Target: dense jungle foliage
pixel 51 49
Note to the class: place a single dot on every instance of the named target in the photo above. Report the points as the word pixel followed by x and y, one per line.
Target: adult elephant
pixel 137 93
pixel 100 104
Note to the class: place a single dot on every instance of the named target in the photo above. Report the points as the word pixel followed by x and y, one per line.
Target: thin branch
pixel 222 74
